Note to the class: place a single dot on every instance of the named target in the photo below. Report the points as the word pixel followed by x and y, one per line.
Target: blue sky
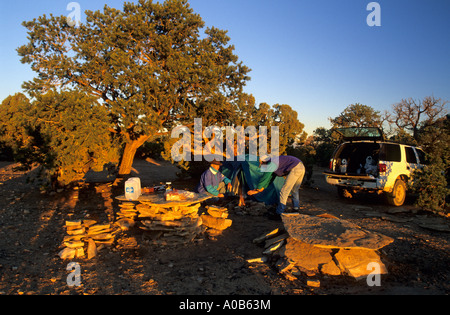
pixel 318 56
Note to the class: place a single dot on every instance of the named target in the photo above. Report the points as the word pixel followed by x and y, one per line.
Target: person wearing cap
pixel 213 181
pixel 288 166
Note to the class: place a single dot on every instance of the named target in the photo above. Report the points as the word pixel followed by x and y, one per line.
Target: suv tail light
pixel 382 168
pixel 331 165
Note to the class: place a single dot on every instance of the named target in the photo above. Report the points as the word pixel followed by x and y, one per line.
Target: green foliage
pixel 434 138
pixel 431 183
pixel 403 137
pixel 324 142
pixel 152 149
pixel 66 132
pixel 430 186
pixel 290 127
pixel 14 127
pixel 357 115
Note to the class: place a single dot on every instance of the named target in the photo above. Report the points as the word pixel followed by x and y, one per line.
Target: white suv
pixel 366 162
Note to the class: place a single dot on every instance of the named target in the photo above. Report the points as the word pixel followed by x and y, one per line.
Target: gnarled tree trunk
pixel 128 155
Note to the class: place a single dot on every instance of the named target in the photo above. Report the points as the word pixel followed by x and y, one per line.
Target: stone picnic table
pixel 158 200
pixel 164 222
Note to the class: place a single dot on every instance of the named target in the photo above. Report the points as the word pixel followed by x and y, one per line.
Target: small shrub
pixel 430 186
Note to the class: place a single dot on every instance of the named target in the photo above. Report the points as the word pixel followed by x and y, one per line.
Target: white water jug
pixel 133 188
pixel 138 180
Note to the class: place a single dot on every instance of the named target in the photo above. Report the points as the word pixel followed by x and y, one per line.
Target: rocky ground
pixel 31 233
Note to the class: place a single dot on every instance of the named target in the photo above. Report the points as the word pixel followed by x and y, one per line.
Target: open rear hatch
pixel 360 134
pixel 358 156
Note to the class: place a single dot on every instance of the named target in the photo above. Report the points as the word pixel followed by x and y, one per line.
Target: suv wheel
pixel 398 195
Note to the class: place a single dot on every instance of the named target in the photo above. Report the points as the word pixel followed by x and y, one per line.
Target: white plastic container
pixel 133 188
pixel 139 184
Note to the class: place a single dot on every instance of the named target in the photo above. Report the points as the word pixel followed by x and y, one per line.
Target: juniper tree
pixel 357 115
pixel 64 132
pixel 152 66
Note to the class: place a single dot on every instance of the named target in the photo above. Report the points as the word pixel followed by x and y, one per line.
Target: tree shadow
pixel 33 228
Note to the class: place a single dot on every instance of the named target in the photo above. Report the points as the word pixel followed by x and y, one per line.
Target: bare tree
pixel 411 114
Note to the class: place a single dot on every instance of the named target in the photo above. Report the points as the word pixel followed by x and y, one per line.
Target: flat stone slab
pixel 306 256
pixel 331 232
pixel 160 201
pixel 359 263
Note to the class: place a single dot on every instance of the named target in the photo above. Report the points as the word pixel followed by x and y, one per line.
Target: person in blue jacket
pixel 213 181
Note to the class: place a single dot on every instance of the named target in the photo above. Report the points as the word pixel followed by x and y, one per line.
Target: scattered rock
pixel 274 247
pixel 67 253
pixel 322 245
pixel 276 239
pixel 215 221
pixel 355 262
pixel 435 227
pixel 217 212
pixel 432 223
pixel 257 260
pixel 330 268
pixel 332 232
pixel 397 210
pixel 313 283
pixel 362 208
pixel 306 257
pixel 125 224
pixel 86 233
pixel 395 219
pixel 373 214
pixel 266 236
pixel 92 248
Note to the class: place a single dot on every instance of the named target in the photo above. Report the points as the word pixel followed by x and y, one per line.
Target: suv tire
pixel 398 194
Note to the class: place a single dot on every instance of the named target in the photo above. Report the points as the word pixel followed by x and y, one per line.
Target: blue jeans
pixel 292 184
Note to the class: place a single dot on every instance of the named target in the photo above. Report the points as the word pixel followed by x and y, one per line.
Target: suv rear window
pixel 360 133
pixel 390 152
